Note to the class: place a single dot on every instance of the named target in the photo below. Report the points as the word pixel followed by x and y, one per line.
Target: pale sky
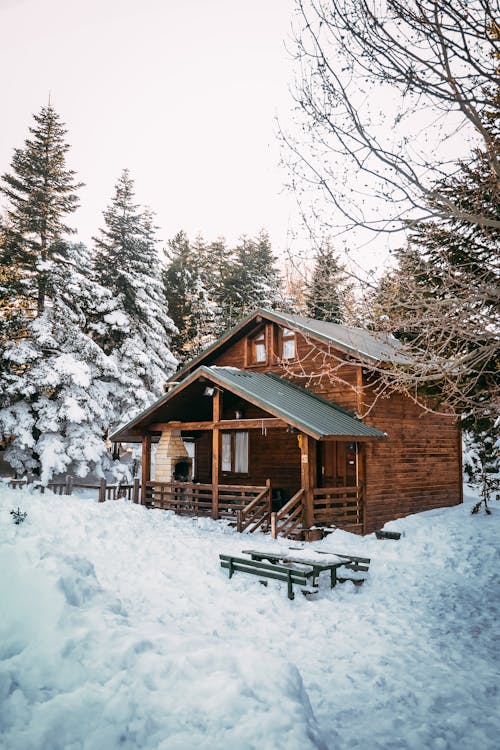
pixel 184 93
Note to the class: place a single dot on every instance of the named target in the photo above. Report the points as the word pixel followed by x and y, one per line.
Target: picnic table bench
pixel 290 568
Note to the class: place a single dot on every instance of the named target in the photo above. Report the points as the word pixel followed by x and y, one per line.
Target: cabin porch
pixel 250 508
pixel 289 482
pixel 254 448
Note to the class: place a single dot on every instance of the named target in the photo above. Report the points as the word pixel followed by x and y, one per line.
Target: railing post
pixel 68 487
pixel 238 521
pixel 137 487
pixel 269 494
pixel 308 477
pixel 102 491
pixel 274 532
pixel 145 466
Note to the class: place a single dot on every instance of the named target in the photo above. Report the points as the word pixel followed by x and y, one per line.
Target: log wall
pixel 274 456
pixel 418 467
pixel 318 368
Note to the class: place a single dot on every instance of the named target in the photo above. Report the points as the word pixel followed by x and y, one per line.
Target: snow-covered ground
pixel 119 630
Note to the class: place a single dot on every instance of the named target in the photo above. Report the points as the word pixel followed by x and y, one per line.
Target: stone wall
pixel 169 451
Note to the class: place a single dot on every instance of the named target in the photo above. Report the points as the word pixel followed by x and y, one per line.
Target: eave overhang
pixel 351 342
pixel 281 399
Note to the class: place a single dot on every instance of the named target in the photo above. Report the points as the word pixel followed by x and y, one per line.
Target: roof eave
pixel 132 424
pixel 120 434
pixel 276 317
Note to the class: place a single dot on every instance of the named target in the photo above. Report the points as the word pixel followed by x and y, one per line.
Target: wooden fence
pixel 248 506
pixel 103 490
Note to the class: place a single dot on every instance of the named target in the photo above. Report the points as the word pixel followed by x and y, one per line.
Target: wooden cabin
pixel 276 426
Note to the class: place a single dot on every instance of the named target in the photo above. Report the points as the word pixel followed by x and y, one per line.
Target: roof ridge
pixel 293 316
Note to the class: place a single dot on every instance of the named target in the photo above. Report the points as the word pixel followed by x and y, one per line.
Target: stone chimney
pixel 169 451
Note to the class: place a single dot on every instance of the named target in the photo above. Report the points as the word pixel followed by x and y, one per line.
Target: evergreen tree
pixel 266 282
pixel 54 380
pixel 188 303
pixel 453 307
pixel 399 289
pixel 248 279
pixel 137 331
pixel 443 303
pixel 217 268
pixel 481 468
pixel 57 384
pixel 206 304
pixel 328 287
pixel 41 192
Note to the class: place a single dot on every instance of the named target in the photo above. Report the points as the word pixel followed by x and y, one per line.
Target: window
pixel 287 344
pixel 258 348
pixel 235 452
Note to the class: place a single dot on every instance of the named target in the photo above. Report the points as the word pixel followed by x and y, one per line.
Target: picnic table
pixel 312 568
pixel 294 568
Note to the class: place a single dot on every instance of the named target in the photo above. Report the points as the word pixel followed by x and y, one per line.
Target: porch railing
pixel 341 506
pixel 257 513
pixel 289 517
pixel 193 499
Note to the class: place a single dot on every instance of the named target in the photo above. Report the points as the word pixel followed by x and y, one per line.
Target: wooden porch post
pixel 217 410
pixel 308 472
pixel 360 481
pixel 145 465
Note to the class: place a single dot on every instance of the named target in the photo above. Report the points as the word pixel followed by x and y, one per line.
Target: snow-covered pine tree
pixel 400 287
pixel 482 466
pixel 41 192
pixel 267 287
pixel 217 268
pixel 206 305
pixel 328 287
pixel 126 262
pixel 249 280
pixel 55 380
pixel 60 383
pixel 187 297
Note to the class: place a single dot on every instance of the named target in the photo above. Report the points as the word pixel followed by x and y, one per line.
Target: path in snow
pixel 119 630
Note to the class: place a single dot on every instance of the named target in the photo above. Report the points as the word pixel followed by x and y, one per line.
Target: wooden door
pixel 337 464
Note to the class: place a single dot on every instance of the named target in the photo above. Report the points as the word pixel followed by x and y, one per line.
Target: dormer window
pixel 288 344
pixel 258 348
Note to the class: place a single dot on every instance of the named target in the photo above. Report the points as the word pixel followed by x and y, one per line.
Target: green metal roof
pixel 311 413
pixel 372 347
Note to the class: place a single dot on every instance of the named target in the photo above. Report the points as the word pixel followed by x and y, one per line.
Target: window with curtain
pixel 226 452
pixel 258 348
pixel 288 347
pixel 234 456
